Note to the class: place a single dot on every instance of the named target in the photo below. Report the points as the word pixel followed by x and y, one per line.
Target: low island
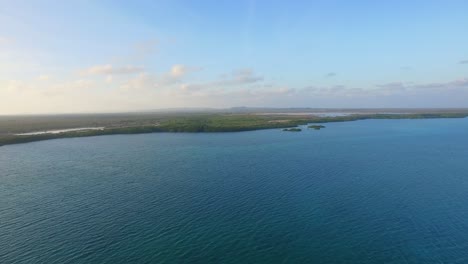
pixel 23 129
pixel 294 129
pixel 316 127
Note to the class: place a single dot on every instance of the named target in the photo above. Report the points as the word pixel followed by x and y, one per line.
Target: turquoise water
pixel 372 191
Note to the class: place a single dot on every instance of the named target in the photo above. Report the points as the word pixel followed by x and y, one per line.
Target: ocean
pixel 370 191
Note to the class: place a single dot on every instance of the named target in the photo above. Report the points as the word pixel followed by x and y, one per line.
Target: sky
pixel 115 56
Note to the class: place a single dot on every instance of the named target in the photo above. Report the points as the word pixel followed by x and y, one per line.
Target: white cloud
pixel 187 87
pixel 15 86
pixel 175 75
pixel 396 94
pixel 178 71
pixel 120 90
pixel 237 78
pixel 109 69
pixel 141 81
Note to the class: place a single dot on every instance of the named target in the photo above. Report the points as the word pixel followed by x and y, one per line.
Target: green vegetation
pixel 138 123
pixel 355 117
pixel 316 127
pixel 294 129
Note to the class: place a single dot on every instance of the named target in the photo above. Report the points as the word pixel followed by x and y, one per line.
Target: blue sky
pixel 88 56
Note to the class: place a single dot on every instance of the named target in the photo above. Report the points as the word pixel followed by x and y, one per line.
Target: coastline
pixel 212 123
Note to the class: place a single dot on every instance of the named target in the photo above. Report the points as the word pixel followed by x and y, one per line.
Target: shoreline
pixel 210 124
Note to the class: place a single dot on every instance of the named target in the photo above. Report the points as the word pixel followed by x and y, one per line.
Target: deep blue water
pixel 373 191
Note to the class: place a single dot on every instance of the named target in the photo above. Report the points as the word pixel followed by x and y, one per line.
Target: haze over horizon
pixel 117 56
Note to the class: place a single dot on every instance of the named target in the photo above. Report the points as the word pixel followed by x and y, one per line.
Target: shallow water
pixel 371 191
pixel 58 131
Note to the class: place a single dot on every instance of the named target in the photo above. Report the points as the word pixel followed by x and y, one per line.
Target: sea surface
pixel 371 191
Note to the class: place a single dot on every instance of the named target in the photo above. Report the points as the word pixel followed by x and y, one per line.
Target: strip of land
pixel 23 129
